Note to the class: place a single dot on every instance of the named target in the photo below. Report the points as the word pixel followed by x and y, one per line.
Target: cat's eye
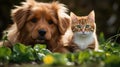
pixel 50 22
pixel 34 20
pixel 87 26
pixel 78 26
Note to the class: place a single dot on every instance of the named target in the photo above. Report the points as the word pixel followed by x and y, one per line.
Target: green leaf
pixel 112 60
pixel 40 56
pixel 45 51
pixel 71 57
pixel 30 53
pixel 19 48
pixel 38 47
pixel 5 53
pixel 83 56
pixel 5 37
pixel 22 53
pixel 60 59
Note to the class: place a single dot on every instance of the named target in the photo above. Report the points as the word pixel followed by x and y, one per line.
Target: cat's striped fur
pixel 84 29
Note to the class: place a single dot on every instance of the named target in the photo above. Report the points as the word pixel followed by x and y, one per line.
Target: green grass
pixel 107 56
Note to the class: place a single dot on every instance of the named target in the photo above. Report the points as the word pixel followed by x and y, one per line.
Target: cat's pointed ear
pixel 92 15
pixel 73 17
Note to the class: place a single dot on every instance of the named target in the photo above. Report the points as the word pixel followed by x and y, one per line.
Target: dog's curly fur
pixel 36 22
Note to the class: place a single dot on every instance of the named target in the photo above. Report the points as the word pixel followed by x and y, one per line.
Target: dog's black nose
pixel 42 32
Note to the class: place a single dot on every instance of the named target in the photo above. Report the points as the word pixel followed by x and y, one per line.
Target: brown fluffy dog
pixel 36 22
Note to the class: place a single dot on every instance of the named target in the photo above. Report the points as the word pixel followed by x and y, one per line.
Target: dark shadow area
pixel 107 13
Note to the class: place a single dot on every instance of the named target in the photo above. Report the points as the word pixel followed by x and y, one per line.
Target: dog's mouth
pixel 41 40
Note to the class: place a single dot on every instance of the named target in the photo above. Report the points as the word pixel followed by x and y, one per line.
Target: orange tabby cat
pixel 84 29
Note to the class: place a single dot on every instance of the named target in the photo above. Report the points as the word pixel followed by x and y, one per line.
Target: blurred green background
pixel 107 13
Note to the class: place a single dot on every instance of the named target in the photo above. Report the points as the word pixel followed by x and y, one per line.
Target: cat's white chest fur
pixel 83 40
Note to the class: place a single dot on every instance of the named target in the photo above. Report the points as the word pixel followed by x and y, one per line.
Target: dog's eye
pixel 34 20
pixel 50 22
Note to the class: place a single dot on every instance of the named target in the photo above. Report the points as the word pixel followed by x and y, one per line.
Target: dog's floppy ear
pixel 63 24
pixel 19 17
pixel 21 13
pixel 63 18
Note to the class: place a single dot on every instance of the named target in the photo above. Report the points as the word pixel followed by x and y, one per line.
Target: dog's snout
pixel 42 32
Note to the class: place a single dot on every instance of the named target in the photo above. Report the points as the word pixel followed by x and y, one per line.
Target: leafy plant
pixel 107 56
pixel 22 53
pixel 5 37
pixel 5 53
